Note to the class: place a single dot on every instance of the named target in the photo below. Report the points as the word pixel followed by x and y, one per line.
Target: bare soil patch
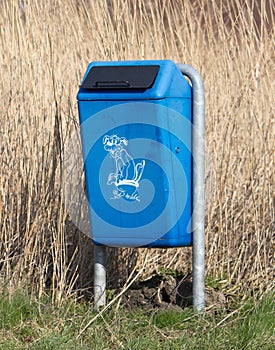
pixel 167 292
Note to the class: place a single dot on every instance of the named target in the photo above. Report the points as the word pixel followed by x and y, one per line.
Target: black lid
pixel 120 77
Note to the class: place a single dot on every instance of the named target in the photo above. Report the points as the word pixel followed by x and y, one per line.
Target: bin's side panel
pixel 180 186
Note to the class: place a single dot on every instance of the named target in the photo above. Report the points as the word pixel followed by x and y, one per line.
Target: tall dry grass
pixel 45 49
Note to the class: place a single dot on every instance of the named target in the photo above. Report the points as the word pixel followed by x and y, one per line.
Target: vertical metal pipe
pixel 99 276
pixel 198 185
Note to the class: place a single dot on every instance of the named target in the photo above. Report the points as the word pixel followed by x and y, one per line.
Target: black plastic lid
pixel 120 77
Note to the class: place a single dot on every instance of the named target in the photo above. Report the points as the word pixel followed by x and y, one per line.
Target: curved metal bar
pixel 197 185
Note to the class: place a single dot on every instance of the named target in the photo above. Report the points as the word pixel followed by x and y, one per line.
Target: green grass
pixel 19 310
pixel 27 324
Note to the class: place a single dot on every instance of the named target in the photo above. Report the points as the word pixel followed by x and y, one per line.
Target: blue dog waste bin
pixel 135 119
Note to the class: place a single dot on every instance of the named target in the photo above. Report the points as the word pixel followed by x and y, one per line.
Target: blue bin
pixel 135 119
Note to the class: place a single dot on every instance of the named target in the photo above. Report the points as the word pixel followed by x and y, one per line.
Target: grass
pixel 28 324
pixel 19 309
pixel 45 49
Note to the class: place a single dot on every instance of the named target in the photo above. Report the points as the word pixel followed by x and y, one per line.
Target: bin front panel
pixel 138 171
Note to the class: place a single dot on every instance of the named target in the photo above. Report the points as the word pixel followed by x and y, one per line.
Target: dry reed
pixel 45 49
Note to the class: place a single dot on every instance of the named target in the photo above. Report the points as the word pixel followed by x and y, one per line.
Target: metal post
pixel 198 184
pixel 99 276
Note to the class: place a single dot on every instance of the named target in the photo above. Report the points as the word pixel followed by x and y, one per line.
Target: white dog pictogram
pixel 127 174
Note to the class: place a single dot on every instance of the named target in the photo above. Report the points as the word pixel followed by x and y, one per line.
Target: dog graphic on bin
pixel 127 174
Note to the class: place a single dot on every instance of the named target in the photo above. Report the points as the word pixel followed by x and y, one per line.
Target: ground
pixel 167 291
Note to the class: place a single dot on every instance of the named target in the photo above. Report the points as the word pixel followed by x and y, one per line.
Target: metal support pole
pixel 198 184
pixel 99 276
